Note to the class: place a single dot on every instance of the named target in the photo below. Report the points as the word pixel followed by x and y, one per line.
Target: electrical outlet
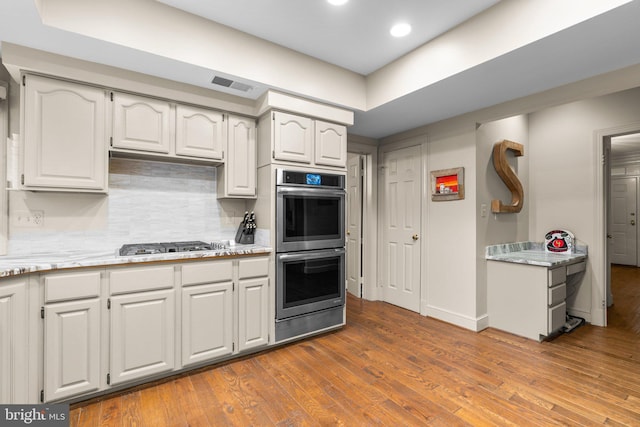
pixel 29 218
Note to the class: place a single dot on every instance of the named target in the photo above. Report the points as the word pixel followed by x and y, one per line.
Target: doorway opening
pixel 362 273
pixel 622 187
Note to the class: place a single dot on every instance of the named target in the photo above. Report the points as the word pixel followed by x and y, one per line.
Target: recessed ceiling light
pixel 400 30
pixel 337 2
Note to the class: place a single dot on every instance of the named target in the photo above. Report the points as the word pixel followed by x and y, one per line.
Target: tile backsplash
pixel 147 202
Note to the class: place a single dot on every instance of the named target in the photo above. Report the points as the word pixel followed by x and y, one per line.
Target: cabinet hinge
pixel 233 286
pixel 42 312
pixel 223 117
pixel 223 155
pixel 41 395
pixel 111 141
pixel 22 179
pixel 273 154
pixel 108 303
pixel 108 379
pixel 273 116
pixel 111 96
pixel 24 80
pixel 233 346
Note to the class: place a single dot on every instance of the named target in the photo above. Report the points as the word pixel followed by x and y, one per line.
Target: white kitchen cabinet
pixel 253 303
pixel 292 137
pixel 207 311
pixel 301 139
pixel 72 330
pixel 237 177
pixel 200 132
pixel 142 335
pixel 331 144
pixel 13 341
pixel 526 300
pixel 142 322
pixel 141 123
pixel 64 136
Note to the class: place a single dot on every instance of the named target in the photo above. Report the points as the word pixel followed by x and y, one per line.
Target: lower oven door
pixel 309 281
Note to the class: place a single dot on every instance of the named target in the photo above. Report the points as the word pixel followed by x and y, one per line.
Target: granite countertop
pixel 13 266
pixel 533 253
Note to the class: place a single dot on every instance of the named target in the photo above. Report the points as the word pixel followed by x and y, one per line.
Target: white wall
pixel 504 227
pixel 449 228
pixel 564 184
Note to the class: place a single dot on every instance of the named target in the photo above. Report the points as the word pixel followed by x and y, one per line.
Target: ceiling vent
pixel 221 81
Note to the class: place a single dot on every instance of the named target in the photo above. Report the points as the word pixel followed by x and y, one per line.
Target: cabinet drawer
pixel 254 267
pixel 61 287
pixel 557 317
pixel 557 294
pixel 576 268
pixel 207 272
pixel 557 275
pixel 140 279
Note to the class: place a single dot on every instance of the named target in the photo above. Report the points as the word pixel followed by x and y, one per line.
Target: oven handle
pixel 312 191
pixel 311 254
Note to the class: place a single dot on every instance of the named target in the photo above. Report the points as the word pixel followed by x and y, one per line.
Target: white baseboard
pixel 473 324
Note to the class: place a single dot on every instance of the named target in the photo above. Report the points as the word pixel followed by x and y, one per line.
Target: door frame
pixel 368 148
pixel 599 252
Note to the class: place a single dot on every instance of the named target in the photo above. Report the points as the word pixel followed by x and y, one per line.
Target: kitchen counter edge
pixel 10 267
pixel 533 253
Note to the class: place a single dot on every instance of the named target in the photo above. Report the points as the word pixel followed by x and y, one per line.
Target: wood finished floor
pixel 392 367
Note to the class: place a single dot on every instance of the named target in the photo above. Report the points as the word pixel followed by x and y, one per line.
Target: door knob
pixel 633 222
pixel 348 233
pixel 609 236
pixel 414 237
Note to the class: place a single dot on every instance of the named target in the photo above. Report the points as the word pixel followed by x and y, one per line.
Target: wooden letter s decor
pixel 508 176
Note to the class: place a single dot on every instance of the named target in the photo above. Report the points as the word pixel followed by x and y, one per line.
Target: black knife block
pixel 245 234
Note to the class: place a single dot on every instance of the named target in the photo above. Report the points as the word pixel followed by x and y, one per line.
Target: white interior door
pixel 401 232
pixel 354 225
pixel 623 220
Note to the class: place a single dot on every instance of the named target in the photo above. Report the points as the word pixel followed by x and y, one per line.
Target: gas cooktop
pixel 166 247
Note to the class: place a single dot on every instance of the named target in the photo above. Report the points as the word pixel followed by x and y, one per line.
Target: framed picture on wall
pixel 447 184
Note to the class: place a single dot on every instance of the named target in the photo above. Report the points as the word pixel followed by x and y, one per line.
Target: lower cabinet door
pixel 557 317
pixel 142 335
pixel 253 313
pixel 71 348
pixel 207 322
pixel 13 341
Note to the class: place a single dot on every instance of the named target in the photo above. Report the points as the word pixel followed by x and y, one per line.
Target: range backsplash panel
pixel 147 202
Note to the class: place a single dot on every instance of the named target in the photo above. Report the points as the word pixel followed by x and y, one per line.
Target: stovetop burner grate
pixel 167 247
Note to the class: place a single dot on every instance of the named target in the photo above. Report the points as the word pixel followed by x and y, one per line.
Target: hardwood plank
pixel 131 415
pixel 111 412
pixel 207 399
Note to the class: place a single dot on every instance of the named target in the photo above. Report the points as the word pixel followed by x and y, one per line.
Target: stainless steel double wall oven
pixel 310 253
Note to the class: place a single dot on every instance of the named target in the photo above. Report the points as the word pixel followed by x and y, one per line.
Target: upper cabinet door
pixel 141 123
pixel 240 169
pixel 199 132
pixel 293 137
pixel 331 144
pixel 64 135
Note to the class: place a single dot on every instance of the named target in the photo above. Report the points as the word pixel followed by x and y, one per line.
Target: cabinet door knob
pixel 414 237
pixel 633 222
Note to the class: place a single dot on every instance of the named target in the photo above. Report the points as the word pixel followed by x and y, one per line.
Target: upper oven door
pixel 309 218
